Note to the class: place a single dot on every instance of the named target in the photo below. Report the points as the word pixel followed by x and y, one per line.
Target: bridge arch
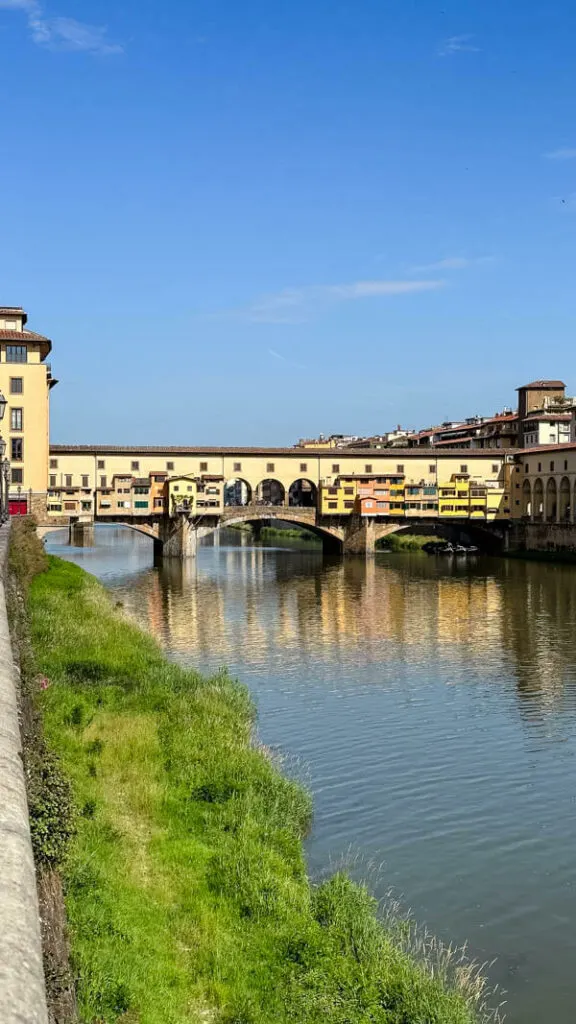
pixel 237 491
pixel 551 500
pixel 564 501
pixel 303 493
pixel 331 536
pixel 270 492
pixel 526 498
pixel 538 500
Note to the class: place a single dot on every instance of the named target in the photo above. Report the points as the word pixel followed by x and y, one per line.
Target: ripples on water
pixel 433 704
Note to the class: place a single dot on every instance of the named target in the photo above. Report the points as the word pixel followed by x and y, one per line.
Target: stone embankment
pixel 22 992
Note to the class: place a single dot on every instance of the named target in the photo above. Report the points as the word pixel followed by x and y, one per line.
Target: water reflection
pixel 434 703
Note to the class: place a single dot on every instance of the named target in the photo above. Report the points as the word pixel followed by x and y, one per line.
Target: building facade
pixel 25 381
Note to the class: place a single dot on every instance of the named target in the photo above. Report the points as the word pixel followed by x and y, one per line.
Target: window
pixel 16 449
pixel 552 466
pixel 135 465
pixel 16 354
pixel 348 490
pixel 203 467
pixel 336 467
pixel 565 464
pixel 332 504
pixel 495 467
pixel 369 504
pixel 431 468
pixel 269 467
pixel 141 490
pixel 303 467
pixel 16 419
pixel 52 481
pixel 526 468
pixel 464 469
pixel 16 385
pixel 348 504
pixel 237 467
pixel 539 467
pixel 170 466
pixel 140 504
pixel 85 481
pixel 400 467
pixel 86 506
pixel 68 481
pixel 368 467
pixel 17 476
pixel 158 502
pixel 53 463
pixel 101 464
pixel 102 481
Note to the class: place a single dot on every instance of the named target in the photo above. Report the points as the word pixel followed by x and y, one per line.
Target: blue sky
pixel 245 223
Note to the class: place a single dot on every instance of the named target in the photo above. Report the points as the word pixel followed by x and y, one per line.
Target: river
pixel 431 706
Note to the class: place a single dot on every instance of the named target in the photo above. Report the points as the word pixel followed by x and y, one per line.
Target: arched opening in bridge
pixel 526 499
pixel 551 500
pixel 564 500
pixel 270 492
pixel 538 500
pixel 303 494
pixel 237 492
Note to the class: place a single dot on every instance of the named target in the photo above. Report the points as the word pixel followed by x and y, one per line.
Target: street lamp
pixel 3 404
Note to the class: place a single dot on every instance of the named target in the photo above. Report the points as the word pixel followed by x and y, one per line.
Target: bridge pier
pixel 359 536
pixel 179 537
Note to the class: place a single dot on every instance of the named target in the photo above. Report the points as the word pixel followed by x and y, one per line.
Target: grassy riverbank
pixel 404 542
pixel 185 881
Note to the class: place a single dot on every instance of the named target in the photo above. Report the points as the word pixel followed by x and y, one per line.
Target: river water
pixel 431 706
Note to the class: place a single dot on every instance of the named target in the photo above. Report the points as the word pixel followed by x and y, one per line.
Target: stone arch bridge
pixel 178 536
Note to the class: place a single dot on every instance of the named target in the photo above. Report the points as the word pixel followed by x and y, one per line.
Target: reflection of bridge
pixel 178 536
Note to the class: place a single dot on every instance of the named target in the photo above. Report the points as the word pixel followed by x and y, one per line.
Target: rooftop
pixel 340 454
pixel 536 385
pixel 23 336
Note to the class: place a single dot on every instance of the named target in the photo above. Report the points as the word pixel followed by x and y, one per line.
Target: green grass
pixel 404 542
pixel 185 880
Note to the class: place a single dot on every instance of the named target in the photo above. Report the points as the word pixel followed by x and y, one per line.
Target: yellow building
pixel 25 381
pixel 337 498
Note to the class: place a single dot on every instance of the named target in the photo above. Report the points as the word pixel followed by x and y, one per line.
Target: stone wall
pixel 22 992
pixel 559 537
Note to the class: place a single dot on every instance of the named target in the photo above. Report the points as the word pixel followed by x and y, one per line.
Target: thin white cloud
pixel 297 305
pixel 61 33
pixel 561 154
pixel 451 263
pixel 283 359
pixel 457 44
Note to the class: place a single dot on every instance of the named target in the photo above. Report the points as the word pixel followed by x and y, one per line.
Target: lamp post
pixel 4 467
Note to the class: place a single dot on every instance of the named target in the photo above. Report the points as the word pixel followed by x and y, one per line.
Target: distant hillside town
pixel 545 415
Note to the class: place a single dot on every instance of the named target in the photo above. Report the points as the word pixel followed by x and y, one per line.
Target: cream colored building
pixel 543 485
pixel 84 468
pixel 25 381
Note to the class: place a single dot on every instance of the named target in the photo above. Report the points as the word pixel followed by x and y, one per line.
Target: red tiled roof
pixel 562 447
pixel 22 336
pixel 545 384
pixel 338 454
